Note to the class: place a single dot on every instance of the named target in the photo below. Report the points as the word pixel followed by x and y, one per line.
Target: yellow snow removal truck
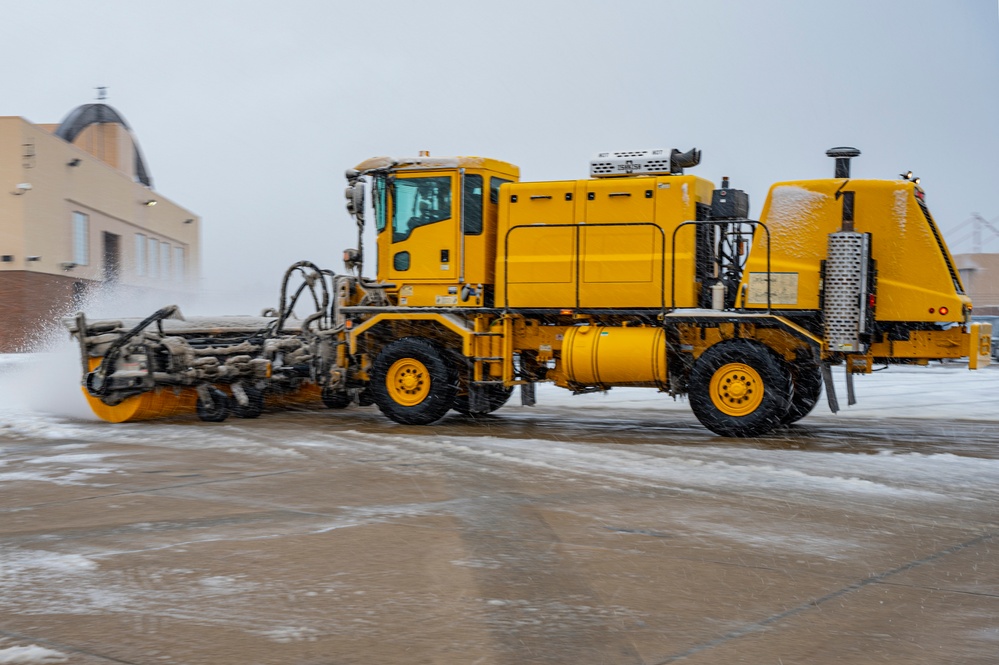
pixel 641 275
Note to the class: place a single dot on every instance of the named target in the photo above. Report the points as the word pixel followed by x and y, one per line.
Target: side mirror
pixel 355 198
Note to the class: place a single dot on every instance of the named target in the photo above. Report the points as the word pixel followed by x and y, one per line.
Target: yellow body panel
pixel 915 275
pixel 598 243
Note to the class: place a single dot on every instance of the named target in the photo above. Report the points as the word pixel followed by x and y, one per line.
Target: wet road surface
pixel 545 535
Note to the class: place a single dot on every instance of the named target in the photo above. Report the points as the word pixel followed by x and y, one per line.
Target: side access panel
pixel 538 253
pixel 622 250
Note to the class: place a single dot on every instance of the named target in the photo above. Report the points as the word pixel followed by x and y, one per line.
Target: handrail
pixel 715 222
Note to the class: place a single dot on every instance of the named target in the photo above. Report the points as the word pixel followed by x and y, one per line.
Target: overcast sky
pixel 248 112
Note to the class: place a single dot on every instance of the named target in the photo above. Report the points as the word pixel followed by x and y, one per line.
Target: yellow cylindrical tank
pixel 615 356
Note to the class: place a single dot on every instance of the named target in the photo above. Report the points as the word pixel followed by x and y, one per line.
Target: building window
pixel 140 254
pixel 81 239
pixel 153 254
pixel 178 264
pixel 165 260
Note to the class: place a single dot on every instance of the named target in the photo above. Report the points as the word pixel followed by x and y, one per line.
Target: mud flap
pixel 827 380
pixel 478 400
pixel 851 398
pixel 527 395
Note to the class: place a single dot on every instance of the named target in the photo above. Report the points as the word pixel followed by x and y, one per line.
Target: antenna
pixel 102 92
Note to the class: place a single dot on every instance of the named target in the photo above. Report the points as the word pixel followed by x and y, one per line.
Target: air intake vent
pixel 630 162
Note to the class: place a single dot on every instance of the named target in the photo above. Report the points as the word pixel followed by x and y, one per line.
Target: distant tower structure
pixel 972 229
pixel 102 92
pixel 980 224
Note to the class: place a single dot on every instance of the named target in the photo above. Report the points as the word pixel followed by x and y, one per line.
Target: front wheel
pixel 412 383
pixel 254 404
pixel 740 388
pixel 216 409
pixel 334 399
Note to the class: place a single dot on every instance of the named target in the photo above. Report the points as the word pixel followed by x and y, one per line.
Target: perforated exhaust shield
pixel 630 162
pixel 846 288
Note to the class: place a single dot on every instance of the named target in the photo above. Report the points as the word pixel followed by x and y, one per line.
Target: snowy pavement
pixel 604 528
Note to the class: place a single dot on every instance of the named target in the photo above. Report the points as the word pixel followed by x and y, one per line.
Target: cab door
pixel 424 234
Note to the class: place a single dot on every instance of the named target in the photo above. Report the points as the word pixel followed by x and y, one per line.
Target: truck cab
pixel 436 221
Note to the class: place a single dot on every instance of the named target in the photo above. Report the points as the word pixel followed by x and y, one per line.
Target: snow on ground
pixel 936 391
pixel 36 386
pixel 29 655
pixel 40 398
pixel 40 401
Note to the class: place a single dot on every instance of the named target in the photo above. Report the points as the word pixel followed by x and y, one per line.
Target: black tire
pixel 218 410
pixel 740 388
pixel 335 399
pixel 496 396
pixel 806 377
pixel 254 407
pixel 412 383
pixel 364 397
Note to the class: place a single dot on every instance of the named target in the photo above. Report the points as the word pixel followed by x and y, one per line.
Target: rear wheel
pixel 807 381
pixel 740 388
pixel 412 382
pixel 217 410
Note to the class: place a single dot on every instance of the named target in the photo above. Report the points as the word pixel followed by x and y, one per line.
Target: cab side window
pixel 380 189
pixel 472 205
pixel 494 186
pixel 418 202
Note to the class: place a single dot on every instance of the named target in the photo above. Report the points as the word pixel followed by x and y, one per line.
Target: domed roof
pixel 95 114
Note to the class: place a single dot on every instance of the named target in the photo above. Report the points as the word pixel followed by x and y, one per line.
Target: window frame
pixel 165 258
pixel 179 264
pixel 140 254
pixel 153 256
pixel 81 238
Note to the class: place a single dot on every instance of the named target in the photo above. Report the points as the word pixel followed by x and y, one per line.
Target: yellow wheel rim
pixel 408 382
pixel 736 389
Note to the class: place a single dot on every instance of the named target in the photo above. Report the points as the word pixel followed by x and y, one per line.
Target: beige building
pixel 980 276
pixel 78 209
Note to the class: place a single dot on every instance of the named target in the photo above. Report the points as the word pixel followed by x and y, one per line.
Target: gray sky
pixel 248 112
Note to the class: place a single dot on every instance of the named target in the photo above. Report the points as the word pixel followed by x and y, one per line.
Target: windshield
pixel 418 202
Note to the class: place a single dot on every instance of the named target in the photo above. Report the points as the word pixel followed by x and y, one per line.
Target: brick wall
pixel 31 302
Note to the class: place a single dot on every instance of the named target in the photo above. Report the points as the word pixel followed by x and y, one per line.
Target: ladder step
pixel 478 358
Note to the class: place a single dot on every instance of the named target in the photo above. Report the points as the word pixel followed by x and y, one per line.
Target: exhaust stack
pixel 842 157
